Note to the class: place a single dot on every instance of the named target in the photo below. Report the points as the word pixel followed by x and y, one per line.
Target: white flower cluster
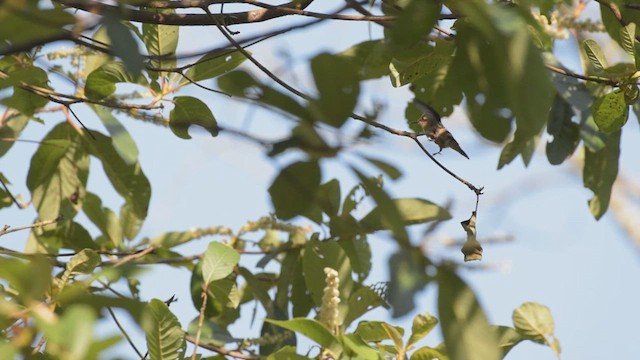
pixel 330 300
pixel 554 27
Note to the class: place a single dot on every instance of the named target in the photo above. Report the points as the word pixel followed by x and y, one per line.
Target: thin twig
pixel 473 188
pixel 569 73
pixel 222 351
pixel 13 198
pixel 124 332
pixel 205 289
pixel 134 256
pixel 8 229
pixel 81 124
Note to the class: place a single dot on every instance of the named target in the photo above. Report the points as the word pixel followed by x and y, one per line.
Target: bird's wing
pixel 427 110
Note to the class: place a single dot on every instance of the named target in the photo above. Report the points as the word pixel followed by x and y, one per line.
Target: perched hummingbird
pixel 430 122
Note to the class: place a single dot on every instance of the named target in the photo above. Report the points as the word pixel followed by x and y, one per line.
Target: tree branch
pixel 8 229
pixel 152 17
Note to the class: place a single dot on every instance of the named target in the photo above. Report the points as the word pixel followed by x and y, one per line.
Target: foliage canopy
pixel 494 58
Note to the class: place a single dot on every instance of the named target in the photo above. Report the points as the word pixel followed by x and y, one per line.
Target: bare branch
pixel 8 229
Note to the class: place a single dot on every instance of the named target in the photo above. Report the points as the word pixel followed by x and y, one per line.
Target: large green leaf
pixel 128 179
pixel 191 111
pixel 22 100
pixel 610 112
pixel 534 322
pixel 566 134
pixel 370 58
pixel 407 277
pixel 388 212
pixel 465 328
pixel 161 40
pixel 412 210
pixel 414 22
pixel 218 261
pixel 294 190
pixel 23 23
pixel 58 173
pixel 312 329
pixel 13 126
pixel 165 338
pixel 600 172
pixel 595 54
pixel 322 254
pixel 122 140
pixel 214 64
pixel 101 82
pixel 70 335
pixel 123 44
pixel 338 89
pixel 104 218
pixel 31 279
pixel 240 83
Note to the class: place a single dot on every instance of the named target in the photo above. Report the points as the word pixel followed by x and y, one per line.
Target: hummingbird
pixel 430 122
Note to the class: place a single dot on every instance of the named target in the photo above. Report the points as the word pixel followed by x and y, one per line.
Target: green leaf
pixel 70 336
pixel 534 322
pixel 161 40
pixel 628 38
pixel 600 172
pixel 165 338
pixel 421 327
pixel 610 112
pixel 123 44
pixel 83 262
pixel 312 329
pixel 388 213
pixel 22 100
pixel 58 170
pixel 191 111
pixel 214 64
pixel 376 331
pixel 319 255
pixel 218 261
pixel 412 211
pixel 294 190
pixel 23 24
pixel 385 167
pixel 101 82
pixel 240 83
pixel 128 180
pixel 407 277
pixel 465 328
pixel 566 134
pixel 370 58
pixel 211 333
pixel 355 348
pixel 174 238
pixel 415 21
pixel 259 291
pixel 104 218
pixel 286 353
pixel 31 279
pixel 14 123
pixel 359 252
pixel 401 74
pixel 361 301
pixel 508 338
pixel 394 335
pixel 129 222
pixel 338 88
pixel 595 54
pixel 428 353
pixel 122 141
pixel 329 197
